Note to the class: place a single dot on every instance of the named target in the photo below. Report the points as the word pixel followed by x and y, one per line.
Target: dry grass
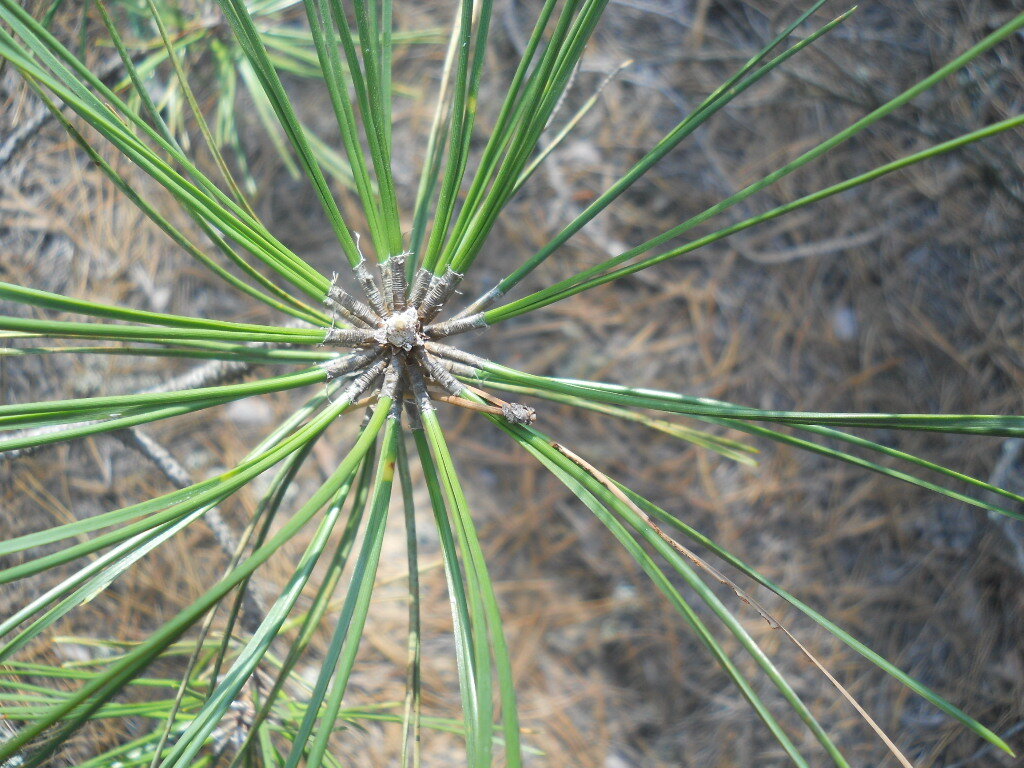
pixel 905 295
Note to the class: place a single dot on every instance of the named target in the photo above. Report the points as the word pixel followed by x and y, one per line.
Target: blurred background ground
pixel 905 295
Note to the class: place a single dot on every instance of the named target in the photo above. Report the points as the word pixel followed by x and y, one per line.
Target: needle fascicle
pixel 419 389
pixel 457 368
pixel 340 315
pixel 419 286
pixel 461 369
pixel 483 303
pixel 399 399
pixel 345 303
pixel 392 378
pixel 395 287
pixel 437 372
pixel 369 286
pixel 455 354
pixel 365 379
pixel 350 337
pixel 455 326
pixel 439 291
pixel 339 366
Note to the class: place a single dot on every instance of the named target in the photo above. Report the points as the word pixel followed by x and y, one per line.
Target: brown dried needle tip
pixel 516 413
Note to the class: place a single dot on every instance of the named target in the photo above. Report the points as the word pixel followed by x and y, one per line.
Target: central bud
pixel 396 340
pixel 402 330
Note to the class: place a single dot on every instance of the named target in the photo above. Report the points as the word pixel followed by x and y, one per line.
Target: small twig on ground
pixel 253 609
pixel 206 375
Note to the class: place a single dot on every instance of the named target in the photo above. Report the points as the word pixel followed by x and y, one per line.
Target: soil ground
pixel 902 296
